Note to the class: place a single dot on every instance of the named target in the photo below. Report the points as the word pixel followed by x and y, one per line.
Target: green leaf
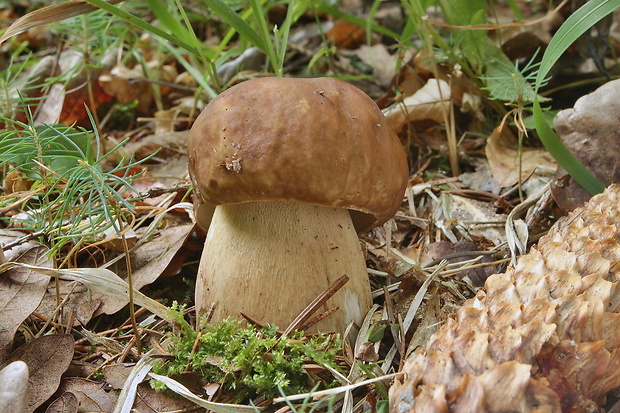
pixel 562 155
pixel 576 25
pixel 475 44
pixel 376 332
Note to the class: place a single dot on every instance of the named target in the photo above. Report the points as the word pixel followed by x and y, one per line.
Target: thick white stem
pixel 271 259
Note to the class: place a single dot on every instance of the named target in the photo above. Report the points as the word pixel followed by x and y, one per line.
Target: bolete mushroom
pixel 284 161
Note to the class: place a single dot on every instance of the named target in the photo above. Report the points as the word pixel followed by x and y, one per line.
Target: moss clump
pixel 248 361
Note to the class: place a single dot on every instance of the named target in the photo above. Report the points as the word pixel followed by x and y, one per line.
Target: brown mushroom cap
pixel 319 141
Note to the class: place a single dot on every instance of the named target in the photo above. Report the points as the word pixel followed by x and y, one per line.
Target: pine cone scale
pixel 542 337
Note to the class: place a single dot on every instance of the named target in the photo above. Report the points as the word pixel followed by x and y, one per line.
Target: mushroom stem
pixel 270 259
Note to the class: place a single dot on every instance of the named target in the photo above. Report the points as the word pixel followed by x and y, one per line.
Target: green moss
pixel 248 361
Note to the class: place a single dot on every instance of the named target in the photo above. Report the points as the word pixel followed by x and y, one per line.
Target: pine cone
pixel 543 337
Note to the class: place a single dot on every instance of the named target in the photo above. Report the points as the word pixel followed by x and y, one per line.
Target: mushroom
pixel 290 165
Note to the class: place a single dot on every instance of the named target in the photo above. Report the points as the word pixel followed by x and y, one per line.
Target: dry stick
pixel 132 311
pixel 194 349
pixel 315 304
pixel 303 320
pixel 316 319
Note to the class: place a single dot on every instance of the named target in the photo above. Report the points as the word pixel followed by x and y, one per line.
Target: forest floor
pixel 97 201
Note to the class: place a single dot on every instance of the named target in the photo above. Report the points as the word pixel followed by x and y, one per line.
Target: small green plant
pixel 18 92
pixel 247 361
pixel 72 198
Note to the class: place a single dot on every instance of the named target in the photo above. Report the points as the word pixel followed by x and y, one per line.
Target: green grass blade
pixel 261 19
pixel 562 155
pixel 169 21
pixel 196 74
pixel 130 18
pixel 295 9
pixel 235 21
pixel 576 25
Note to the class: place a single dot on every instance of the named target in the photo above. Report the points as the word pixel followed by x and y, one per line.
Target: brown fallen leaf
pixel 116 374
pixel 429 102
pixel 590 131
pixel 120 82
pixel 407 81
pixel 378 58
pixel 66 403
pixel 477 217
pixel 346 35
pixel 64 101
pixel 503 154
pixel 457 252
pixel 80 305
pixel 10 237
pixel 47 357
pixel 49 14
pixel 101 280
pixel 21 291
pixel 151 401
pixel 90 395
pixel 149 261
pixel 152 258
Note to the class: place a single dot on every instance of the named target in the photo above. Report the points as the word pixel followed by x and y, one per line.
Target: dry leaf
pixel 100 280
pixel 407 81
pixel 181 390
pixel 503 154
pixel 64 101
pixel 460 251
pixel 252 59
pixel 429 102
pixel 90 395
pixel 126 84
pixel 379 59
pixel 66 403
pixel 430 317
pixel 151 401
pixel 116 374
pixel 47 357
pixel 168 144
pixel 346 35
pixel 127 395
pixel 21 291
pixel 79 302
pixel 149 261
pixel 49 14
pixel 152 258
pixel 471 213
